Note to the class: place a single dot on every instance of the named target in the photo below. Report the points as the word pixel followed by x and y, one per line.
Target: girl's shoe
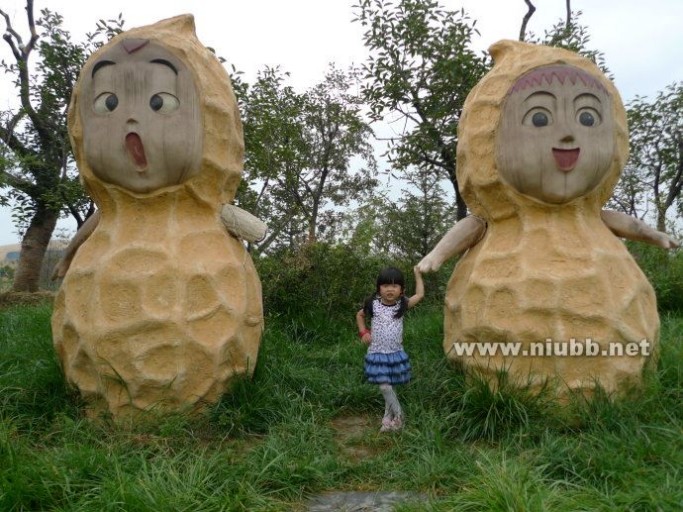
pixel 397 424
pixel 387 425
pixel 391 425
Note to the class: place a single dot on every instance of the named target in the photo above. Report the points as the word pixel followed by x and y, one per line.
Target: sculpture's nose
pixel 567 138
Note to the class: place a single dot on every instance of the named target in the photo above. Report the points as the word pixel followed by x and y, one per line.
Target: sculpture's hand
pixel 243 224
pixel 430 263
pixel 631 228
pixel 60 269
pixel 667 242
pixel 465 234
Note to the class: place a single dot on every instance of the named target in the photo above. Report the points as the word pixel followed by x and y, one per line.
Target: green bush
pixel 336 279
pixel 664 269
pixel 330 279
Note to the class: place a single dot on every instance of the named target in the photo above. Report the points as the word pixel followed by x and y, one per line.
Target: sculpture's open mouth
pixel 566 158
pixel 136 150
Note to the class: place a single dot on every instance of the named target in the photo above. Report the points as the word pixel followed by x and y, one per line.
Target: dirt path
pixel 350 435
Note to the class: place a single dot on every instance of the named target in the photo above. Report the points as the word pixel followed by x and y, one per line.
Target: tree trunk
pixel 313 221
pixel 661 220
pixel 312 232
pixel 33 248
pixel 461 207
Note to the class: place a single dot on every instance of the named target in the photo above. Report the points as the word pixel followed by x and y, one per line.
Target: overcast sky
pixel 642 41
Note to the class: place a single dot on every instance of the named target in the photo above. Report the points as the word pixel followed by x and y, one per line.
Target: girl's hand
pixel 366 338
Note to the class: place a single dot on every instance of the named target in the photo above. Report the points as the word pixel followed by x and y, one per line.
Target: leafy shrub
pixel 664 269
pixel 330 279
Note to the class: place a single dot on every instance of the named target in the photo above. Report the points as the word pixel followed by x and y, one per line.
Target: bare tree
pixel 36 165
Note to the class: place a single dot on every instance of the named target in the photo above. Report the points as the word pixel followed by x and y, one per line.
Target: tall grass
pixel 275 440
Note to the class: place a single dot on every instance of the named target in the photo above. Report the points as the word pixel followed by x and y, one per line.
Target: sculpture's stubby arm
pixel 243 224
pixel 81 236
pixel 465 234
pixel 631 228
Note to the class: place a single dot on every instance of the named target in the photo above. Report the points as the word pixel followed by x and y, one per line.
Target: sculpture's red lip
pixel 136 150
pixel 566 158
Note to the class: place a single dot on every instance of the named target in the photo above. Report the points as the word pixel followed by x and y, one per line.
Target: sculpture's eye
pixel 538 117
pixel 164 102
pixel 588 117
pixel 105 103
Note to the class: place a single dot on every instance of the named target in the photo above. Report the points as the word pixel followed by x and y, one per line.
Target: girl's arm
pixel 419 288
pixel 363 331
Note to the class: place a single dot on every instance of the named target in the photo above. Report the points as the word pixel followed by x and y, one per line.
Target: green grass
pixel 272 443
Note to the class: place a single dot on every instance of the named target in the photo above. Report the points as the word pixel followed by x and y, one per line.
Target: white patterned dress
pixel 386 362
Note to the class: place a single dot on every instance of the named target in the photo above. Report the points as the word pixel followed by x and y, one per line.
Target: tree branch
pixel 274 233
pixel 75 214
pixel 294 192
pixel 32 28
pixel 15 182
pixel 10 32
pixel 21 54
pixel 262 192
pixel 11 125
pixel 12 141
pixel 525 21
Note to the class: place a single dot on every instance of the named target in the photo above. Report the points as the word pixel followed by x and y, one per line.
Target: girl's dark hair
pixel 388 275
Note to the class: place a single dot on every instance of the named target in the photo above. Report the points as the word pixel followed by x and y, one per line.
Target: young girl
pixel 386 363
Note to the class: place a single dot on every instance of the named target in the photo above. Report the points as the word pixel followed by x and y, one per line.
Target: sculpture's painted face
pixel 141 118
pixel 556 140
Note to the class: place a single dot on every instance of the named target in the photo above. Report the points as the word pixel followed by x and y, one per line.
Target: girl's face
pixel 390 293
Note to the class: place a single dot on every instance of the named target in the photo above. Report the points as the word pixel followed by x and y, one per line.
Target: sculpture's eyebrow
pixel 100 65
pixel 586 96
pixel 165 63
pixel 540 95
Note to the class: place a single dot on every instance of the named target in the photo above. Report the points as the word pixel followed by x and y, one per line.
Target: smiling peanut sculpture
pixel 160 307
pixel 542 142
